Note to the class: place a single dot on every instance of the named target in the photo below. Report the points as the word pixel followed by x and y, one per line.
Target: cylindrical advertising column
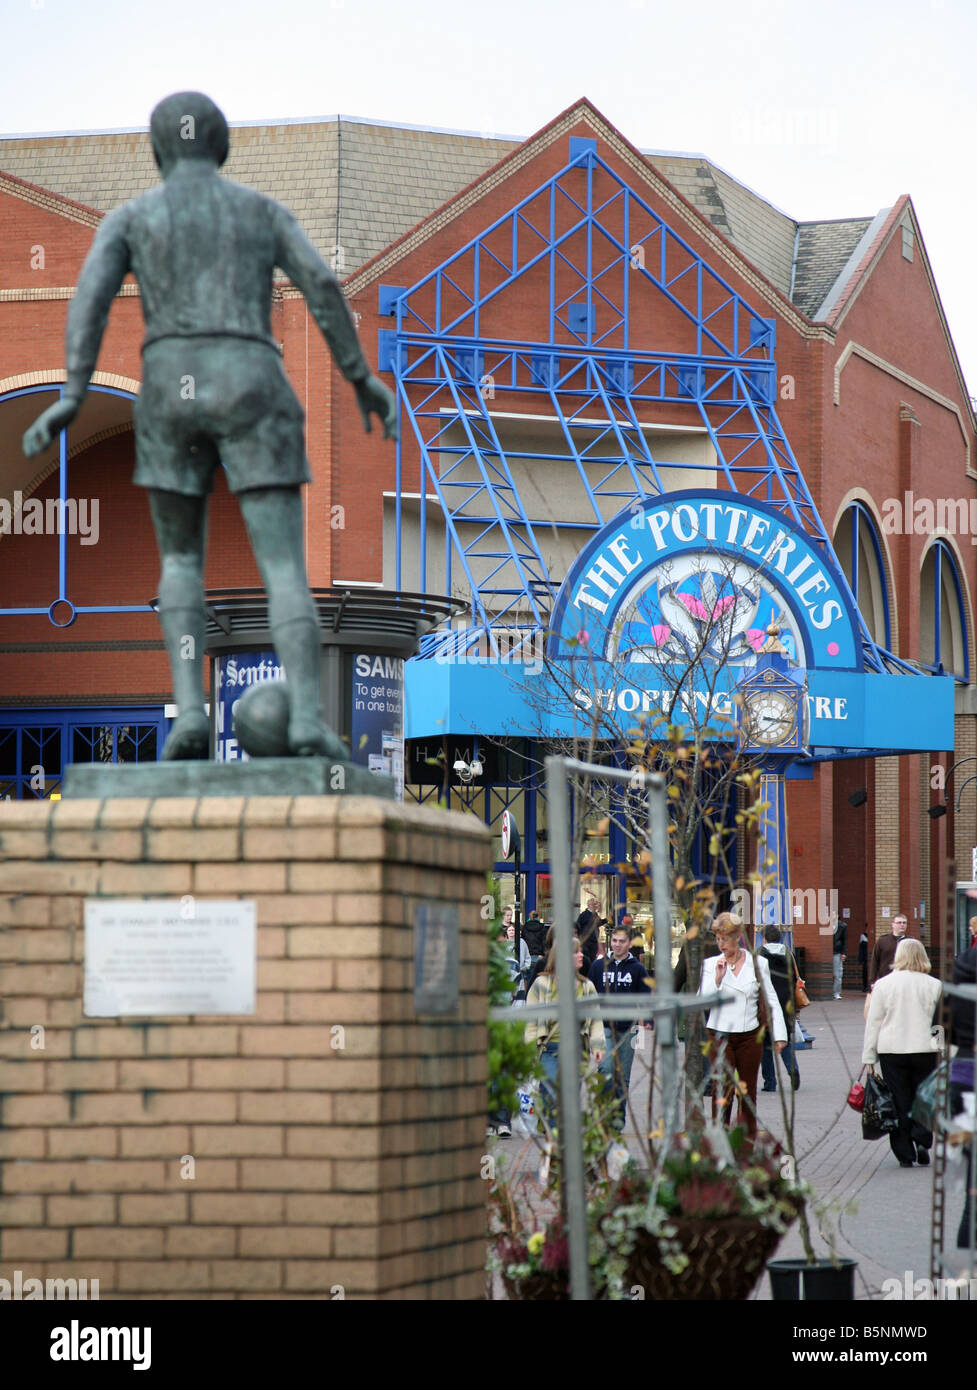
pixel 233 673
pixel 366 635
pixel 376 713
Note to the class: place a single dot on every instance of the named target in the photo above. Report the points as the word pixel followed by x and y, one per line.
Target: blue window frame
pixel 37 744
pixel 59 609
pixel 943 614
pixel 859 550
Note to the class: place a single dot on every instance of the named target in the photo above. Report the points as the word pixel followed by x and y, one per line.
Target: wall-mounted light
pixel 941 808
pixel 858 798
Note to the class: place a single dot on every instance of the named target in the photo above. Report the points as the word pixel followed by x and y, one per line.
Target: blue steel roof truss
pixel 589 240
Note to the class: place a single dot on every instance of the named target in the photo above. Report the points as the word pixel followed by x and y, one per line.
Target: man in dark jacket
pixel 619 973
pixel 885 949
pixel 863 960
pixel 587 928
pixel 534 935
pixel 839 948
pixel 782 977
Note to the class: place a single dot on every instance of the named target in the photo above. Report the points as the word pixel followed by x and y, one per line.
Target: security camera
pixel 466 772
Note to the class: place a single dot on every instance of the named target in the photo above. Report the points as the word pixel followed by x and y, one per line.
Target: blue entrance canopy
pixel 851 712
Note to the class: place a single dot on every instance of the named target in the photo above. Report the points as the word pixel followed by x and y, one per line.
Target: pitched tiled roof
pixel 758 230
pixel 361 185
pixel 823 251
pixel 694 177
pixel 390 177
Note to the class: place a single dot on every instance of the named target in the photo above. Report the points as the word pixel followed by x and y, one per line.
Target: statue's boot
pixel 181 613
pixel 313 738
pixel 297 646
pixel 189 736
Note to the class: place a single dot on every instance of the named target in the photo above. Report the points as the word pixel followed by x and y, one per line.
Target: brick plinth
pixel 328 1146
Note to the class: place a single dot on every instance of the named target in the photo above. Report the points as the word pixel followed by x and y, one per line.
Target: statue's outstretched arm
pixel 307 270
pixel 101 276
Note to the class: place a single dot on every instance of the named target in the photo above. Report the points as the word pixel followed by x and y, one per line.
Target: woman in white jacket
pixel 899 1036
pixel 735 1025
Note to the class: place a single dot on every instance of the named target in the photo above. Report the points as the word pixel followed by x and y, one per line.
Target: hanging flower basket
pixel 704 1226
pixel 536 1287
pixel 701 1259
pixel 701 1226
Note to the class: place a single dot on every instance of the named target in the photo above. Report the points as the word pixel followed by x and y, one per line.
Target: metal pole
pixel 571 1122
pixel 661 905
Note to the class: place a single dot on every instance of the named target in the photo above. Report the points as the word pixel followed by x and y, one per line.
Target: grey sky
pixel 828 110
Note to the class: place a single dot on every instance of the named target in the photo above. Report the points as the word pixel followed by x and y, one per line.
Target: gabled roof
pixel 855 275
pixel 674 206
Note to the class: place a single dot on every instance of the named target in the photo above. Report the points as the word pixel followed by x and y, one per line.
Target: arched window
pixel 860 556
pixel 942 616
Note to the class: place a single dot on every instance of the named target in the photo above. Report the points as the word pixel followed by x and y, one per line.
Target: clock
pixel 773 703
pixel 770 718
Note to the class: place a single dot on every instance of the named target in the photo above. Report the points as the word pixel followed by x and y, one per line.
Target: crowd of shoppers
pixel 754 1021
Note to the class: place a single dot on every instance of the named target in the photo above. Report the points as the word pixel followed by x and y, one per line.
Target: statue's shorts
pixel 206 402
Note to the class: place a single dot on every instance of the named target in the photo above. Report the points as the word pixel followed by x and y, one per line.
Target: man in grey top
pixel 214 391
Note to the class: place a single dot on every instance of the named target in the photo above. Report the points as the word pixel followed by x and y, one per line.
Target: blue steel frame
pixel 587 364
pixel 62 598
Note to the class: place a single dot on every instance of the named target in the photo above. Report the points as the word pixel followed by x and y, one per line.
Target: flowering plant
pixel 540 1257
pixel 711 1175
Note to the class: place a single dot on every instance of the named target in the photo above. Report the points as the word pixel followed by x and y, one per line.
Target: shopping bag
pixel 923 1109
pixel 527 1121
pixel 879 1115
pixel 856 1096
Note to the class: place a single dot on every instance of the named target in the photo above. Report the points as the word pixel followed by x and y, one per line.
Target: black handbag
pixel 923 1111
pixel 879 1114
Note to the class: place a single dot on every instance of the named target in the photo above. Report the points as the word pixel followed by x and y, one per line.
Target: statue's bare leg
pixel 180 524
pixel 273 516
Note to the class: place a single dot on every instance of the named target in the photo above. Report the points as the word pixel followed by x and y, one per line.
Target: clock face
pixel 771 718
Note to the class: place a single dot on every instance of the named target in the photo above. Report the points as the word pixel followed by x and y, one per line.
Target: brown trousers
pixel 739 1053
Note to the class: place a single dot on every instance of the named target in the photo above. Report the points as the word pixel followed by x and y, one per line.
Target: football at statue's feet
pixel 261 719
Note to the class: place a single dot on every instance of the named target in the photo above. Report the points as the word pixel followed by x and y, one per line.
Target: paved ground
pixel 879 1213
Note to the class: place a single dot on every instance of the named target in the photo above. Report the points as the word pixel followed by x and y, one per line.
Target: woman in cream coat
pixel 734 1026
pixel 899 1036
